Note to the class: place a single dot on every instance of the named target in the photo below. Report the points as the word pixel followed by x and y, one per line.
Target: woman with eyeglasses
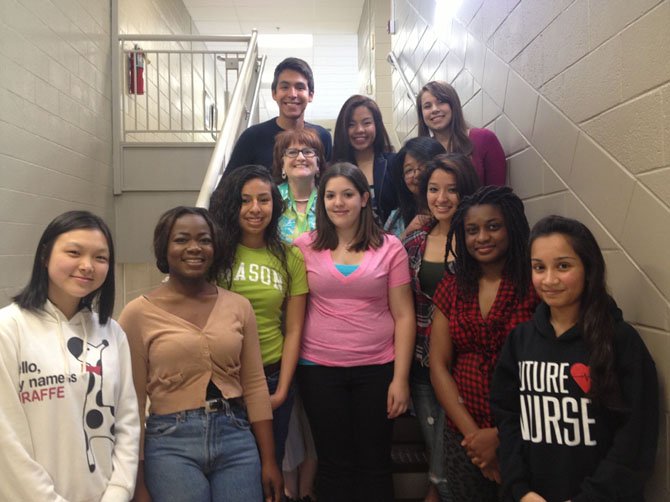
pixel 440 115
pixel 297 162
pixel 406 172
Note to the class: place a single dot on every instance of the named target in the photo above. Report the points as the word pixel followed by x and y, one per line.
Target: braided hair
pixel 517 262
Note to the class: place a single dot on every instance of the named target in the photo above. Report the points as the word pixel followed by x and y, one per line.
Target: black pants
pixel 346 408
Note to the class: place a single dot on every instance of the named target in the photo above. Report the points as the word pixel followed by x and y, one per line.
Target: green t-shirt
pixel 259 277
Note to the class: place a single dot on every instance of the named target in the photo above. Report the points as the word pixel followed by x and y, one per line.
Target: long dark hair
pixel 368 235
pixel 595 322
pixel 35 294
pixel 468 270
pixel 423 150
pixel 225 205
pixel 164 228
pixel 342 149
pixel 456 164
pixel 458 127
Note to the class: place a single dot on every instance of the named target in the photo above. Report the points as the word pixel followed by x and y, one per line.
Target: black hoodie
pixel 553 439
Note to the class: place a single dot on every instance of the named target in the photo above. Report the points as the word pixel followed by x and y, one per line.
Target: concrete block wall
pixel 55 122
pixel 578 91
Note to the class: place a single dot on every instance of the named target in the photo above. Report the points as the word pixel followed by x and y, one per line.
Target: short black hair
pixel 295 64
pixel 164 228
pixel 35 294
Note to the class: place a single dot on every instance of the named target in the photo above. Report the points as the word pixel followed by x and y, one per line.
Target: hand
pixel 481 446
pixel 492 472
pixel 277 399
pixel 397 399
pixel 141 494
pixel 417 222
pixel 273 483
pixel 532 497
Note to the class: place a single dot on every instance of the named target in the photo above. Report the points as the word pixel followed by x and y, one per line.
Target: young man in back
pixel 292 90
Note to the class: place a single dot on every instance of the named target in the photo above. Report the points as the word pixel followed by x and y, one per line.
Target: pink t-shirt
pixel 348 321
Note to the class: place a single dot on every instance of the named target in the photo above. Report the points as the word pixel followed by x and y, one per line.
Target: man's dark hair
pixel 294 64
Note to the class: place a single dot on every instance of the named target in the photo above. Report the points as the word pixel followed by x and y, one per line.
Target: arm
pixel 295 316
pixel 126 429
pixel 446 391
pixel 129 322
pixel 506 411
pixel 401 305
pixel 493 161
pixel 21 477
pixel 631 455
pixel 273 484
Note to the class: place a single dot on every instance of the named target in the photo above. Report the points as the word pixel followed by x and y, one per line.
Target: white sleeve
pixel 126 428
pixel 21 477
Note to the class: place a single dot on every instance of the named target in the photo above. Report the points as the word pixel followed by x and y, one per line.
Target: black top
pixel 553 439
pixel 256 144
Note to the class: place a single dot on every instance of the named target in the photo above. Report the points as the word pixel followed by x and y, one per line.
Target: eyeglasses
pixel 413 171
pixel 308 153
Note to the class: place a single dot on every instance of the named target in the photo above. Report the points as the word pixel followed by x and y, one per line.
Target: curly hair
pixel 517 260
pixel 225 207
pixel 595 322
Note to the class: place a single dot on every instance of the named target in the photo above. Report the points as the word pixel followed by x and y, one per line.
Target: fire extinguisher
pixel 136 71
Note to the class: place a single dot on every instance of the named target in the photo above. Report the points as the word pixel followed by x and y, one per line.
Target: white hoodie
pixel 69 426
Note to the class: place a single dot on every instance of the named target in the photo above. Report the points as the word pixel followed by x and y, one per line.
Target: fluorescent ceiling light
pixel 281 41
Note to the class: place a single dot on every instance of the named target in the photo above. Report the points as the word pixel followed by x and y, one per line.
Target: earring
pixel 283 174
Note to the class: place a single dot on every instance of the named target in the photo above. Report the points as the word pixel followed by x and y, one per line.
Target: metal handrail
pixel 227 137
pixel 393 61
pixel 257 89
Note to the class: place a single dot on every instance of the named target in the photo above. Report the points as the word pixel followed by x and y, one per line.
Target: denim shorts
pixel 195 456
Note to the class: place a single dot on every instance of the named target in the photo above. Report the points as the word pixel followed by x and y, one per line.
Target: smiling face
pixel 190 250
pixel 343 203
pixel 292 94
pixel 256 209
pixel 436 114
pixel 486 234
pixel 77 267
pixel 300 167
pixel 558 272
pixel 361 129
pixel 442 195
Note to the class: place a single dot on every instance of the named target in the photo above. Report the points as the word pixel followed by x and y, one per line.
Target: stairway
pixel 410 462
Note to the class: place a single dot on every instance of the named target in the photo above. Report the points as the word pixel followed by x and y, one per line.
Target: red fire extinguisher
pixel 136 71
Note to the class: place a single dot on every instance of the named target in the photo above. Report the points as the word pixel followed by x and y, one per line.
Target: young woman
pixel 477 307
pixel 361 139
pixel 270 274
pixel 440 114
pixel 575 393
pixel 195 356
pixel 358 338
pixel 406 173
pixel 68 411
pixel 297 162
pixel 449 177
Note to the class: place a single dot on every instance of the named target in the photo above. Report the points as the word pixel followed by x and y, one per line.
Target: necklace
pixel 301 200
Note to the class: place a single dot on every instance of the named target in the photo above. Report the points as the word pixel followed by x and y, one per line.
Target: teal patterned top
pixel 293 224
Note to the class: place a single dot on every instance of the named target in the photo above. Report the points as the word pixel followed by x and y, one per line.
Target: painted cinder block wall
pixel 55 121
pixel 578 91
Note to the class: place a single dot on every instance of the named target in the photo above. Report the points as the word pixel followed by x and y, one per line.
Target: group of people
pixel 327 291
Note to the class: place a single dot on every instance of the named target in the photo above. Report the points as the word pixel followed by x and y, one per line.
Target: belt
pixel 272 368
pixel 218 404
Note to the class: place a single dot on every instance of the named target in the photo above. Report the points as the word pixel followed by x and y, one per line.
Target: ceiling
pixel 229 17
pixel 333 54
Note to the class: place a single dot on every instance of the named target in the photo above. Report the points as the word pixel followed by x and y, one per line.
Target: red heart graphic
pixel 582 375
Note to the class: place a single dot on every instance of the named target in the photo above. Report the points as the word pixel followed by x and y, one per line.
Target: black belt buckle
pixel 214 405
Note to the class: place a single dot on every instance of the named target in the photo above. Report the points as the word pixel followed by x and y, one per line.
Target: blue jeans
pixel 431 418
pixel 201 457
pixel 280 417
